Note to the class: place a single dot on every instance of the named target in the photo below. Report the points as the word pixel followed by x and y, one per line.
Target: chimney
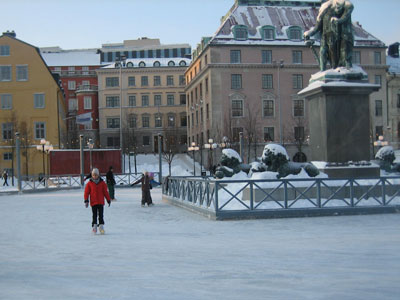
pixel 10 33
pixel 394 50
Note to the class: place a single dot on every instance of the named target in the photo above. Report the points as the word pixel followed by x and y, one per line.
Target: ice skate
pixel 94 229
pixel 101 227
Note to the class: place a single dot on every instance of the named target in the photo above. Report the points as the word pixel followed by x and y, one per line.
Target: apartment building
pixel 393 88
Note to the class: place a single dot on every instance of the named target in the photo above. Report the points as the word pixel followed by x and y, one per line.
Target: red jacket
pixel 97 192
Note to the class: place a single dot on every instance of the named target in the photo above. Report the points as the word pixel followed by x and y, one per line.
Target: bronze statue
pixel 337 41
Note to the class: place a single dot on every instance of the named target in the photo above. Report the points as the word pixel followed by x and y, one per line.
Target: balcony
pixel 87 88
pixel 65 73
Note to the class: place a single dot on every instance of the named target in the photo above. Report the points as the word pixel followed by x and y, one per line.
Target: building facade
pixel 144 97
pixel 393 87
pixel 77 72
pixel 32 104
pixel 246 78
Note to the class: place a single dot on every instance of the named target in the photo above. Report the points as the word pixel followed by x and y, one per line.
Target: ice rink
pixel 47 251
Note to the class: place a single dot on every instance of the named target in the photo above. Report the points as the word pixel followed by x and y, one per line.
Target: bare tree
pixel 251 122
pixel 25 143
pixel 171 138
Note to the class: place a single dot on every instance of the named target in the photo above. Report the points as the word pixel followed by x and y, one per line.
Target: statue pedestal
pixel 339 116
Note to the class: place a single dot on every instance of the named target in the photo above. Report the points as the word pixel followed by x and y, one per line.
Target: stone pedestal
pixel 339 119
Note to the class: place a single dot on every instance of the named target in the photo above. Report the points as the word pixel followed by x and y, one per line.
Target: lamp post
pixel 90 145
pixel 279 65
pixel 194 148
pixel 381 142
pixel 211 146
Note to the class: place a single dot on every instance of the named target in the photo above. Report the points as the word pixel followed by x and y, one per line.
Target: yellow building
pixel 31 103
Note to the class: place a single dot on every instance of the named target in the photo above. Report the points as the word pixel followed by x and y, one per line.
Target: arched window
pixel 156 64
pixel 171 63
pixel 295 33
pixel 182 63
pixel 142 64
pixel 267 32
pixel 129 65
pixel 240 32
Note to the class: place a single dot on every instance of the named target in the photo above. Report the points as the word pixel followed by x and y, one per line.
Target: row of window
pixel 267 81
pixel 156 53
pixel 6 101
pixel 146 139
pixel 156 64
pixel 113 101
pixel 114 122
pixel 144 81
pixel 268 32
pixel 73 103
pixel 21 72
pixel 39 131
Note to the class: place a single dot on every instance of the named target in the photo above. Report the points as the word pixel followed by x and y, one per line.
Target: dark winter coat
pixel 145 181
pixel 110 178
pixel 97 192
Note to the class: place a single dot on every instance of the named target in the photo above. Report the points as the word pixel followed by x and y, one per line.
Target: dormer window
pixel 171 63
pixel 156 64
pixel 267 33
pixel 295 33
pixel 240 32
pixel 182 63
pixel 142 64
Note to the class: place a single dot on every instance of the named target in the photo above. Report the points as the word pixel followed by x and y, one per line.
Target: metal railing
pixel 244 197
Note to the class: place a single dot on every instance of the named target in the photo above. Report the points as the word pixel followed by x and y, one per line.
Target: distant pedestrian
pixel 96 191
pixel 5 177
pixel 146 187
pixel 111 183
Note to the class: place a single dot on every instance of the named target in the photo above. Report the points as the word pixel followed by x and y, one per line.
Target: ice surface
pixel 48 252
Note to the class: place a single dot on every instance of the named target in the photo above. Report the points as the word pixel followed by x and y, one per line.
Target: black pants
pixel 98 210
pixel 5 182
pixel 146 198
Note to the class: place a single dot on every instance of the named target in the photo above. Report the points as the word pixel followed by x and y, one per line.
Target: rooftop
pixel 56 57
pixel 152 62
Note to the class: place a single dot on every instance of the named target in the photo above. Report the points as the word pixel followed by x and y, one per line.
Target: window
pixel 112 101
pixel 71 85
pixel 267 81
pixel 197 117
pixel 207 111
pixel 378 79
pixel 40 130
pixel 6 101
pixel 38 101
pixel 295 33
pixel 269 134
pixel 378 108
pixel 268 108
pixel 5 73
pixel 71 70
pixel 182 63
pixel 142 64
pixel 111 81
pixel 72 104
pixel 183 121
pixel 7 130
pixel 206 86
pixel 378 132
pixel 22 73
pixel 145 100
pixel 157 80
pixel 182 80
pixel 87 102
pixel 237 108
pixel 157 100
pixel 171 121
pixel 4 50
pixel 377 58
pixel 158 121
pixel 297 57
pixel 398 100
pixel 182 99
pixel 86 83
pixel 240 32
pixel 298 108
pixel 170 99
pixel 170 80
pixel 132 121
pixel 113 123
pixel 235 57
pixel 236 81
pixel 145 121
pixel 145 81
pixel 132 100
pixel 131 81
pixel 85 70
pixel 7 156
pixel 146 140
pixel 299 133
pixel 113 141
pixel 297 81
pixel 201 115
pixel 157 63
pixel 171 63
pixel 266 56
pixel 357 57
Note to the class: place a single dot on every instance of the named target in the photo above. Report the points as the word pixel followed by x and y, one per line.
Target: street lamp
pixel 41 147
pixel 90 145
pixel 381 142
pixel 194 148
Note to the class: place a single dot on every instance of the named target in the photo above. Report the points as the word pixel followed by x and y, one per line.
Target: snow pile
pixel 230 153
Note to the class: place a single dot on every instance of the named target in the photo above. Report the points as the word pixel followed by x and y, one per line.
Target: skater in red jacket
pixel 96 189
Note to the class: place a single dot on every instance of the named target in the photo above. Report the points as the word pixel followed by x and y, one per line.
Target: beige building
pixel 32 103
pixel 153 102
pixel 246 77
pixel 393 86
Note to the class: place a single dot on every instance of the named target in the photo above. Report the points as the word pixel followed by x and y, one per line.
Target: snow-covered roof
pixel 394 64
pixel 64 58
pixel 282 18
pixel 152 62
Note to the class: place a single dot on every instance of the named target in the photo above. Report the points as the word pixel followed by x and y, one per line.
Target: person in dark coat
pixel 146 187
pixel 111 183
pixel 96 191
pixel 5 177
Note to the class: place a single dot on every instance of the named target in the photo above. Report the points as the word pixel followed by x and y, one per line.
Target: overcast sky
pixel 73 24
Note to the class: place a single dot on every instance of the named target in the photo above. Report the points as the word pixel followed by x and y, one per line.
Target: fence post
pixel 216 197
pixel 285 191
pixel 352 192
pixel 319 193
pixel 383 180
pixel 251 196
pixel 18 143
